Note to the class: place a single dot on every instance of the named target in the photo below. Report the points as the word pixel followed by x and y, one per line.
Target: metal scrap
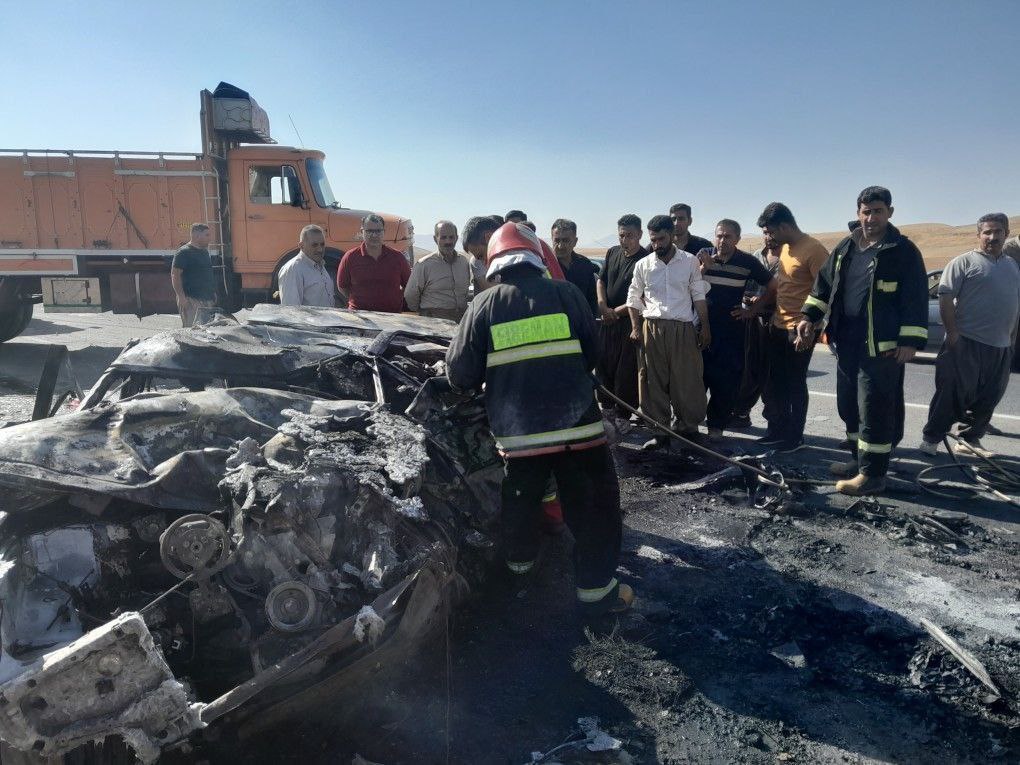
pixel 964 656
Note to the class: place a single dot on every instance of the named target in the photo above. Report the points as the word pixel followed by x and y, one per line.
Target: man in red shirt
pixel 372 276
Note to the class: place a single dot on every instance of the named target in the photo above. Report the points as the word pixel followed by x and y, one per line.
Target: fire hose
pixel 992 478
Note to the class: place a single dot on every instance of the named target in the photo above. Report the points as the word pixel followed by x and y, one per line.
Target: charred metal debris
pixel 238 521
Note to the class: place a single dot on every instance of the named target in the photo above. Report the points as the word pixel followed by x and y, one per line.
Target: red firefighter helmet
pixel 512 236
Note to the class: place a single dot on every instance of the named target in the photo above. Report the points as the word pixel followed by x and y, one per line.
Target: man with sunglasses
pixel 372 276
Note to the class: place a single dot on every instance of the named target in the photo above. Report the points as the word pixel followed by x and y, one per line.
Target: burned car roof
pixel 340 320
pixel 169 559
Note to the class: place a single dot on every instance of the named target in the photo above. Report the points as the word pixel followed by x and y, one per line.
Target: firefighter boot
pixel 861 485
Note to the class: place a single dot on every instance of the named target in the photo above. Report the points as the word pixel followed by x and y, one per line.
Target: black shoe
pixel 791 446
pixel 659 442
pixel 739 421
pixel 769 439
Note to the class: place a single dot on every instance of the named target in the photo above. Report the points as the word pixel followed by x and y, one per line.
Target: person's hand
pixel 607 313
pixel 951 338
pixel 743 314
pixel 805 335
pixel 903 353
pixel 635 336
pixel 704 337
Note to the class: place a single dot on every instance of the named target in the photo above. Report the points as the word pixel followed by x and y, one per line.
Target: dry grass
pixel 938 242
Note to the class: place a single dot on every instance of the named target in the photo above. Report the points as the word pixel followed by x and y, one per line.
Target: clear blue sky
pixel 585 110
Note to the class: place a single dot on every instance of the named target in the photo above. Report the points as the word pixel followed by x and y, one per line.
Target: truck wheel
pixel 14 321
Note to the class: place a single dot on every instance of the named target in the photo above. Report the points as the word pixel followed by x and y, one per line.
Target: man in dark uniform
pixel 874 291
pixel 531 341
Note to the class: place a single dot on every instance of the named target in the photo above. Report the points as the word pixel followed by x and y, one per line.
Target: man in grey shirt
pixel 304 279
pixel 979 299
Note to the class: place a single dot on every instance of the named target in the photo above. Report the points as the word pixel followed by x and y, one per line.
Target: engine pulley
pixel 195 544
pixel 292 607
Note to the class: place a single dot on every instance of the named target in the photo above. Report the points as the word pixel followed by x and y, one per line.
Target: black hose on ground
pixel 993 478
pixel 997 480
pixel 763 477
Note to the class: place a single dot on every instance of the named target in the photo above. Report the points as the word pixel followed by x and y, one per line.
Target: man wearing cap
pixel 531 340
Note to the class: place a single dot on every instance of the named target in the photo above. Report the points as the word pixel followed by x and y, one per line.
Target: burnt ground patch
pixel 751 642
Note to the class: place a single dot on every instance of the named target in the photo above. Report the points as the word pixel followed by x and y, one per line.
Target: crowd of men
pixel 688 331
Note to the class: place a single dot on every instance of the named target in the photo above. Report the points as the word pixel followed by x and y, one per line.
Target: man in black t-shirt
pixel 728 270
pixel 618 360
pixel 577 269
pixel 684 240
pixel 191 275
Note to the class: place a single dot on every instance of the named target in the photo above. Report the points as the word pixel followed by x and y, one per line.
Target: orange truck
pixel 96 230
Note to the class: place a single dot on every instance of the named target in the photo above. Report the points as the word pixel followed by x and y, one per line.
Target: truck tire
pixel 14 321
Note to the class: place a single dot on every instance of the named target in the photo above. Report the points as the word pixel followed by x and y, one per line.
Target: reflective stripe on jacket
pixel 897 303
pixel 532 341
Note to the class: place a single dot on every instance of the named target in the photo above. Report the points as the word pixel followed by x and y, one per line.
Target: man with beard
pixel 668 292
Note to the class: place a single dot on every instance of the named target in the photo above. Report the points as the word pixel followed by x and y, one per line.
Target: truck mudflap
pixel 112 681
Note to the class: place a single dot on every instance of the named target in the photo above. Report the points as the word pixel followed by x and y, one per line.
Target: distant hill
pixel 938 242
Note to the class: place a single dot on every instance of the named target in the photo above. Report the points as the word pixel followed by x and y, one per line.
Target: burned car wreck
pixel 239 520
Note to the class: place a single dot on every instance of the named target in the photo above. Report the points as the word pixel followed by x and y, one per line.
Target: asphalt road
pixel 94 340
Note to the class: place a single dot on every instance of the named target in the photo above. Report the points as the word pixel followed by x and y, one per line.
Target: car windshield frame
pixel 319 182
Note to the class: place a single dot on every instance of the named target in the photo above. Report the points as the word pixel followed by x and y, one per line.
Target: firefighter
pixel 874 291
pixel 532 341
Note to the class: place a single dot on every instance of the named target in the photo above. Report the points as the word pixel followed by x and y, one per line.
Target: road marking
pixel 908 403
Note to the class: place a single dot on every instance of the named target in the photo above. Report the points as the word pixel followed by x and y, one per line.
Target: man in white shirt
pixel 304 279
pixel 669 292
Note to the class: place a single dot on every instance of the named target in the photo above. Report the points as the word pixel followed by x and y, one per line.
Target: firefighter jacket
pixel 897 301
pixel 532 341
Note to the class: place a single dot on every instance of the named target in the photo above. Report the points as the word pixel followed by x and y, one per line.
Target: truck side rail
pixel 102 153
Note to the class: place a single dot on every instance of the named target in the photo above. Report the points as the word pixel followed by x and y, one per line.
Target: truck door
pixel 275 212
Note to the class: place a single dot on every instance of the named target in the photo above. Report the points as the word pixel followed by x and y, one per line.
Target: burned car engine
pixel 236 517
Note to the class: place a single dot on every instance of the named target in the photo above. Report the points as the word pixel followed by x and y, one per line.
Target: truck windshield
pixel 320 184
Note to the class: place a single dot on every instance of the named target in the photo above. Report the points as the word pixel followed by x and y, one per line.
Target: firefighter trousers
pixel 869 398
pixel 589 492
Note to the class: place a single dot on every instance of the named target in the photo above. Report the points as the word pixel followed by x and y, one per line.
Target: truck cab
pixel 96 230
pixel 281 189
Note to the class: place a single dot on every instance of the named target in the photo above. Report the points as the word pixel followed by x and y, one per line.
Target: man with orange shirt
pixel 786 392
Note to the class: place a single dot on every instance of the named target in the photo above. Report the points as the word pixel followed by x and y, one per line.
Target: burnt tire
pixel 14 321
